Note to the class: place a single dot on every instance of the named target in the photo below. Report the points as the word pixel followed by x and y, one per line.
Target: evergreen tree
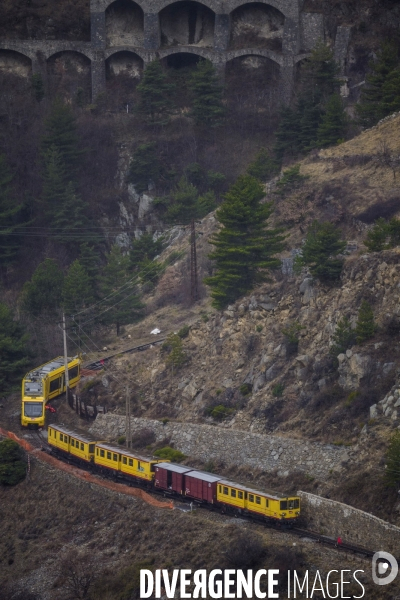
pixel 12 463
pixel 177 357
pixel 332 127
pixel 11 217
pixel 320 250
pixel 90 260
pixel 377 236
pixel 244 248
pixel 206 203
pixel 122 305
pixel 145 167
pixel 145 248
pixel 43 293
pixel 77 289
pixel 287 135
pixel 263 166
pixel 61 134
pixel 392 471
pixel 183 205
pixel 372 105
pixel 13 351
pixel 365 326
pixel 320 73
pixel 63 208
pixel 155 94
pixel 391 93
pixel 343 338
pixel 207 107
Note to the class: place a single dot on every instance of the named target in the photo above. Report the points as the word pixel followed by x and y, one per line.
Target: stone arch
pixel 257 25
pixel 260 52
pixel 124 21
pixel 124 62
pixel 69 75
pixel 84 51
pixel 252 81
pixel 283 6
pixel 14 62
pixel 194 50
pixel 187 23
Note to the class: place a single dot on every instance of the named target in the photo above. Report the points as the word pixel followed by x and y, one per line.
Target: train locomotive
pixel 174 480
pixel 43 384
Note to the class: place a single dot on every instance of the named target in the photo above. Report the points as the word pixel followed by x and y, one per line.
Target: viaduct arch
pixel 300 32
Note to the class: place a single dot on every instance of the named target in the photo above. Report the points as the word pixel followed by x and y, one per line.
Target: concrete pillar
pixel 152 31
pixel 287 73
pixel 39 67
pixel 98 74
pixel 222 32
pixel 98 29
pixel 220 69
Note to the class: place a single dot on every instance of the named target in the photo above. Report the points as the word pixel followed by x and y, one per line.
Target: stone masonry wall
pixel 233 447
pixel 352 525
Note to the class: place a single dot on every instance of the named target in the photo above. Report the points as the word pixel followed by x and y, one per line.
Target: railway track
pixel 98 364
pixel 323 539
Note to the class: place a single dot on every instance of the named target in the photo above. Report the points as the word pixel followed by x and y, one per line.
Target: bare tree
pixel 78 572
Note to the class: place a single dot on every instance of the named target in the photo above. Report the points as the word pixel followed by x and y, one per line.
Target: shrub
pixel 291 180
pixel 278 389
pixel 292 335
pixel 184 331
pixel 259 328
pixel 246 551
pixel 392 472
pixel 143 437
pixel 365 327
pixel 246 389
pixel 221 412
pixel 12 464
pixel 121 440
pixel 320 251
pixel 170 454
pixel 343 338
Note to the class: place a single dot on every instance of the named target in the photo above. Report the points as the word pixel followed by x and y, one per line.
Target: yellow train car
pixel 125 462
pixel 264 504
pixel 43 384
pixel 72 443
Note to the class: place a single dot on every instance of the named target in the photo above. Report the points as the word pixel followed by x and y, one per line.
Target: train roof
pixel 239 486
pixel 175 468
pixel 81 436
pixel 209 477
pixel 48 367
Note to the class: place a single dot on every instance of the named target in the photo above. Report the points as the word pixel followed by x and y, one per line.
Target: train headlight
pixel 283 515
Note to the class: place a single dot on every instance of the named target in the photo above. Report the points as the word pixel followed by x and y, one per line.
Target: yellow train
pixel 43 384
pixel 180 481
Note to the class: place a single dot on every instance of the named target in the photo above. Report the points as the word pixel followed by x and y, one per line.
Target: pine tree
pixel 43 293
pixel 320 73
pixel 392 471
pixel 391 93
pixel 320 250
pixel 206 203
pixel 61 134
pixel 77 289
pixel 63 208
pixel 287 135
pixel 372 105
pixel 343 338
pixel 207 107
pixel 122 305
pixel 244 247
pixel 11 217
pixel 365 326
pixel 332 127
pixel 145 248
pixel 263 166
pixel 13 350
pixel 12 463
pixel 183 205
pixel 90 261
pixel 177 357
pixel 155 93
pixel 145 167
pixel 377 236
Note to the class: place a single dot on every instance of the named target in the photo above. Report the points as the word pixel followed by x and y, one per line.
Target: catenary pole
pixel 65 357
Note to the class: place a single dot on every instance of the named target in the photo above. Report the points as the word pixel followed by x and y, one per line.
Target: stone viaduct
pixel 150 29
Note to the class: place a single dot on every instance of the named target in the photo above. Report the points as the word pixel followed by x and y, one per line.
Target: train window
pixel 266 502
pixel 109 455
pixel 240 495
pixel 91 448
pixel 72 373
pixel 115 457
pixel 233 493
pixel 131 462
pixel 72 442
pixel 124 460
pixel 226 491
pixel 102 453
pixel 61 437
pixel 258 500
pixel 97 451
pixel 54 385
pixel 296 503
pixel 139 466
pixel 284 505
pixel 82 446
pixel 251 498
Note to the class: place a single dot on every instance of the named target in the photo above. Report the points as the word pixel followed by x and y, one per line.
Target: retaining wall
pixel 233 447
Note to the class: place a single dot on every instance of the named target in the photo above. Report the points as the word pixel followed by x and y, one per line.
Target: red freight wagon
pixel 170 477
pixel 201 486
